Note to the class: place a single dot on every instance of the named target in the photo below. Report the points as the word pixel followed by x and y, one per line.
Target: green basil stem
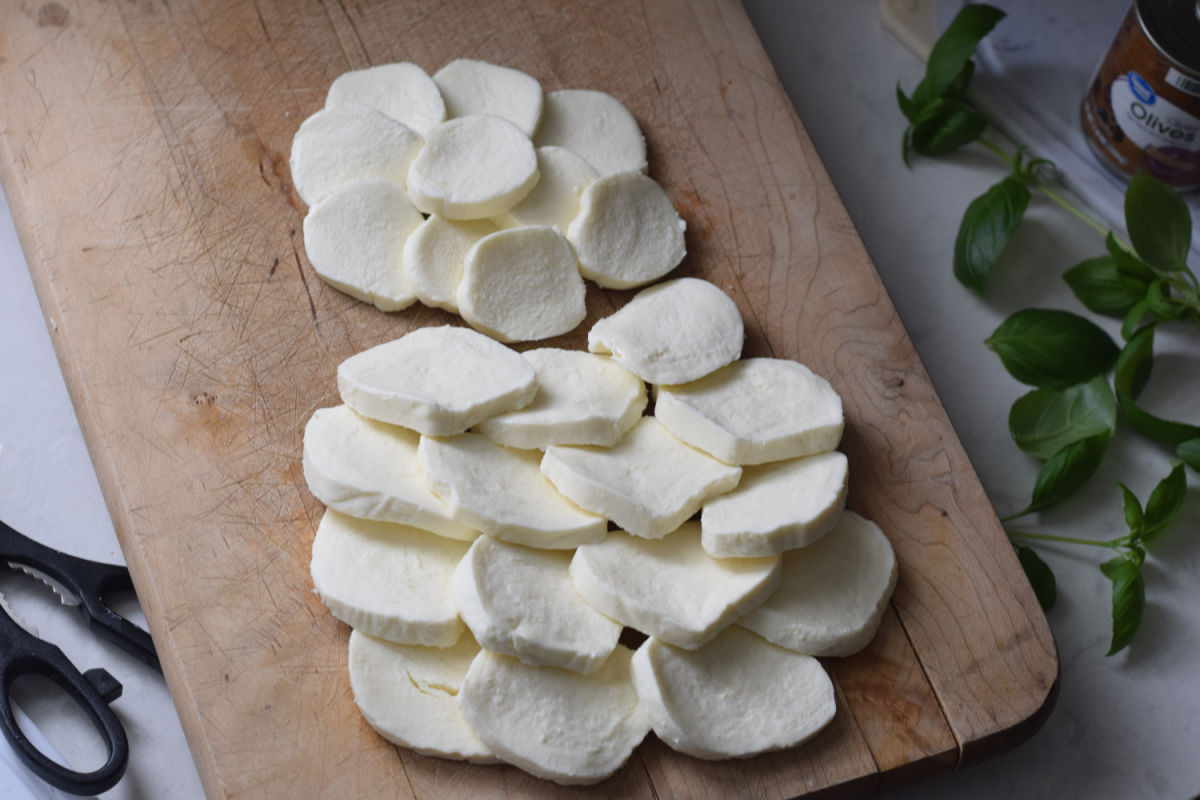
pixel 1113 544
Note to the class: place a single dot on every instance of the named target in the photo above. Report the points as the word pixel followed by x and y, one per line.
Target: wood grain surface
pixel 143 148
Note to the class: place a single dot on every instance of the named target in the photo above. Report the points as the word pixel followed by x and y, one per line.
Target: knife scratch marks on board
pixel 312 307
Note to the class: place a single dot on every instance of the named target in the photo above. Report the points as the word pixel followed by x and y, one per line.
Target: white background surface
pixel 1124 727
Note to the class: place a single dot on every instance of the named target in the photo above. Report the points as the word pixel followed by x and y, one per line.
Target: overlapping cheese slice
pixel 776 507
pixel 403 91
pixel 521 602
pixel 648 483
pixel 409 694
pixel 370 469
pixel 674 332
pixel 553 723
pixel 736 696
pixel 503 493
pixel 833 593
pixel 754 411
pixel 477 87
pixel 581 399
pixel 596 126
pixel 434 257
pixel 388 580
pixel 555 199
pixel 438 381
pixel 670 588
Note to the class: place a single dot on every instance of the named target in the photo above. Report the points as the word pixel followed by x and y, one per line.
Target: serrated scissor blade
pixel 65 595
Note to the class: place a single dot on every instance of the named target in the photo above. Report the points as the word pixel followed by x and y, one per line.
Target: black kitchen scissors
pixel 22 653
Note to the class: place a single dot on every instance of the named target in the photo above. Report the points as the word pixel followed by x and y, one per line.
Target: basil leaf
pixel 1133 511
pixel 1044 421
pixel 986 227
pixel 1130 377
pixel 945 126
pixel 1189 451
pixel 1160 304
pixel 1164 504
pixel 957 90
pixel 1134 318
pixel 1127 263
pixel 1128 599
pixel 1040 576
pixel 907 107
pixel 1160 226
pixel 1103 288
pixel 954 49
pixel 1066 471
pixel 1052 349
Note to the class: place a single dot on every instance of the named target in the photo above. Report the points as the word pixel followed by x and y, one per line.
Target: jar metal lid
pixel 1174 28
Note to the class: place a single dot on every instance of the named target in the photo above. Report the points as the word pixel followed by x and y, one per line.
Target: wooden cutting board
pixel 143 148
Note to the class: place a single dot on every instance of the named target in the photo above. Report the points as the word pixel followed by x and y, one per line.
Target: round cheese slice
pixel 472 168
pixel 434 257
pixel 370 470
pixel 403 91
pixel 438 381
pixel 553 723
pixel 409 694
pixel 648 483
pixel 833 593
pixel 776 507
pixel 671 333
pixel 355 237
pixel 522 284
pixel 477 87
pixel 504 494
pixel 596 126
pixel 626 233
pixel 388 580
pixel 755 411
pixel 521 602
pixel 581 399
pixel 734 697
pixel 670 588
pixel 555 199
pixel 348 143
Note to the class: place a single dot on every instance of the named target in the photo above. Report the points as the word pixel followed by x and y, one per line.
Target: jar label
pixel 1183 83
pixel 1169 135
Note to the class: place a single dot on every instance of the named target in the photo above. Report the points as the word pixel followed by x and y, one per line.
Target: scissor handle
pixel 22 654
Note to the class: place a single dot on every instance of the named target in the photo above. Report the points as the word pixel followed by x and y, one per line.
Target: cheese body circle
pixel 388 580
pixel 734 697
pixel 833 592
pixel 472 167
pixel 671 333
pixel 626 233
pixel 403 91
pixel 438 381
pixel 522 284
pixel 478 87
pixel 555 199
pixel 434 257
pixel 596 126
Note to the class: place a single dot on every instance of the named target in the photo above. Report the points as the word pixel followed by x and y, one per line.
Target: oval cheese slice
pixel 674 332
pixel 388 580
pixel 734 697
pixel 581 399
pixel 409 694
pixel 434 257
pixel 521 602
pixel 553 723
pixel 833 593
pixel 555 199
pixel 776 507
pixel 596 126
pixel 670 588
pixel 437 381
pixel 754 411
pixel 504 494
pixel 648 483
pixel 403 91
pixel 477 87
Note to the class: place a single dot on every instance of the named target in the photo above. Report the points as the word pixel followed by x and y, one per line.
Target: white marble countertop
pixel 1123 727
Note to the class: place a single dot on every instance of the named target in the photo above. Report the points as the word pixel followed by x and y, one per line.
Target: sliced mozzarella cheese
pixel 776 507
pixel 434 257
pixel 477 87
pixel 437 381
pixel 409 694
pixel 734 697
pixel 472 168
pixel 521 602
pixel 596 126
pixel 556 724
pixel 670 588
pixel 581 399
pixel 504 494
pixel 370 470
pixel 675 332
pixel 522 284
pixel 348 143
pixel 626 233
pixel 402 91
pixel 354 239
pixel 388 580
pixel 648 483
pixel 555 199
pixel 754 411
pixel 833 593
